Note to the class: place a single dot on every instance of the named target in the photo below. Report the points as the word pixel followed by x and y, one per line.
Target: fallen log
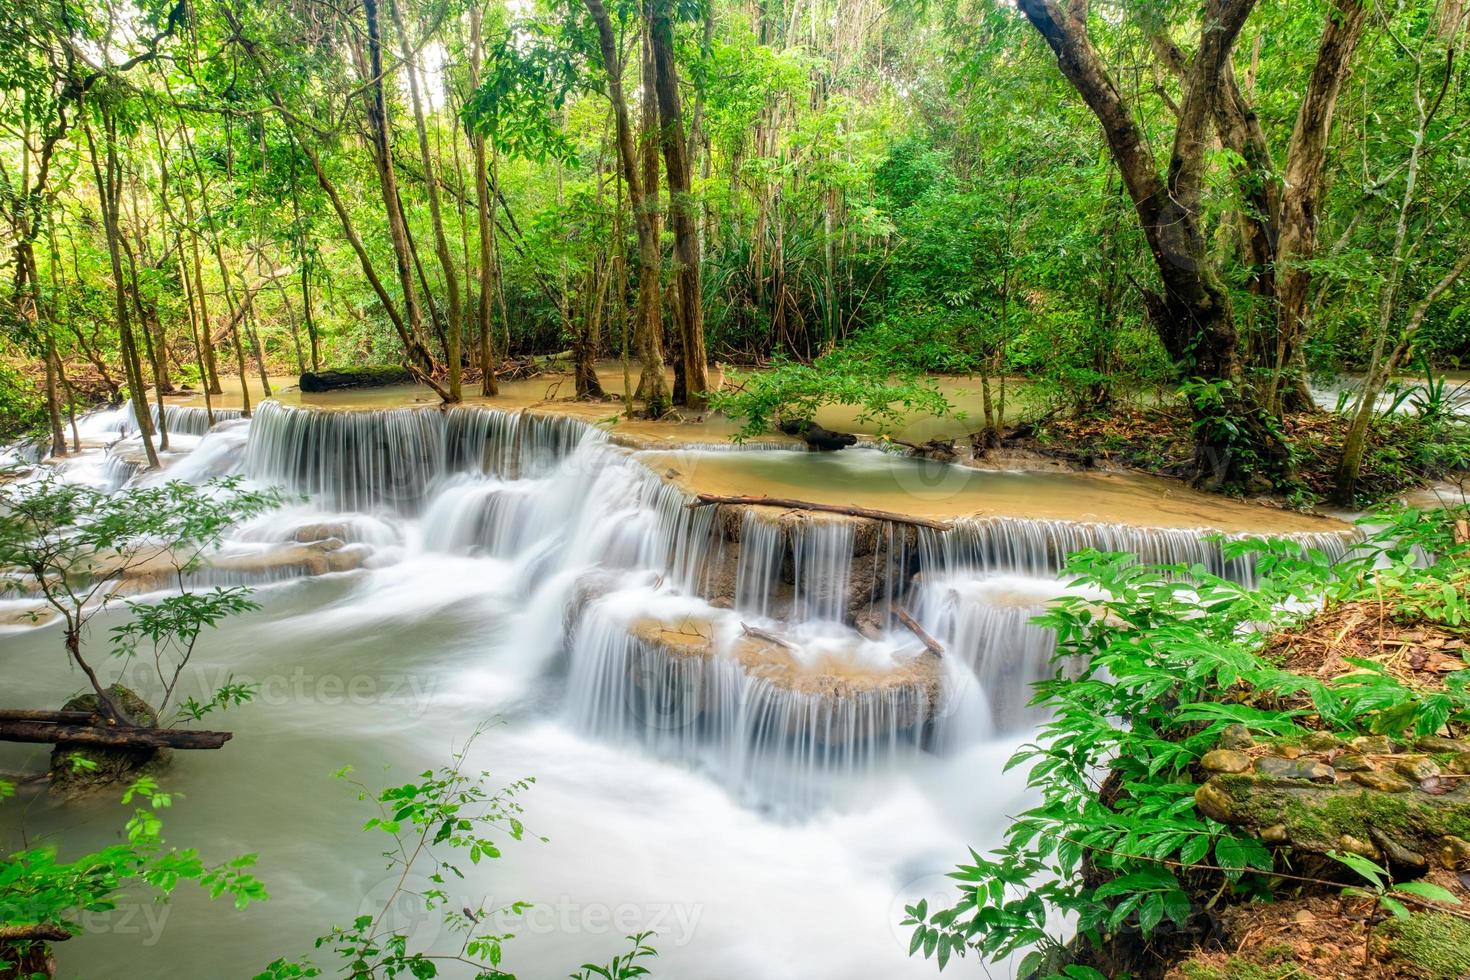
pixel 43 932
pixel 116 737
pixel 53 717
pixel 933 645
pixel 368 377
pixel 705 499
pixel 817 436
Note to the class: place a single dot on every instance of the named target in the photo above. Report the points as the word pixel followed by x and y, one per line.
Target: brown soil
pixel 1411 648
pixel 1314 936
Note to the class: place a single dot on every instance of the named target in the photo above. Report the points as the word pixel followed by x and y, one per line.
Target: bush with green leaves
pixel 43 898
pixel 68 544
pixel 1172 657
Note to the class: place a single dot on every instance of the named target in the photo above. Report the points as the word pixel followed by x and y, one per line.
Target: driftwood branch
pixel 704 499
pixel 62 726
pixel 931 644
pixel 42 932
pixel 54 717
pixel 766 635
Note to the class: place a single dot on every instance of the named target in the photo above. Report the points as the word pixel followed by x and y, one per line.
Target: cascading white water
pixel 1041 547
pixel 184 420
pixel 988 623
pixel 669 672
pixel 822 568
pixel 676 673
pixel 361 460
pixel 761 553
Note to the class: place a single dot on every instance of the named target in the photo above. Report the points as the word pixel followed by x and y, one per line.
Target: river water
pixel 767 810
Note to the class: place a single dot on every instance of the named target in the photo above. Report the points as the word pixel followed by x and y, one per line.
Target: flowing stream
pixel 735 743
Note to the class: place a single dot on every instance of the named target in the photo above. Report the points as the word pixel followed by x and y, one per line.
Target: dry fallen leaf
pixel 1441 664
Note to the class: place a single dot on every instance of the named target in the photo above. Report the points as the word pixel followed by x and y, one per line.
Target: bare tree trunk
pixel 378 126
pixel 107 192
pixel 651 384
pixel 485 211
pixel 645 213
pixel 194 328
pixel 682 207
pixel 1379 370
pixel 1301 198
pixel 431 188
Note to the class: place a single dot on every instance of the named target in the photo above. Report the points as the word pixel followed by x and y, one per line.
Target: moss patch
pixel 1271 963
pixel 1436 943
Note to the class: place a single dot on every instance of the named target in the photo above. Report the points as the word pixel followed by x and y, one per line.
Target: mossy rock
pixel 1323 818
pixel 105 766
pixel 1438 945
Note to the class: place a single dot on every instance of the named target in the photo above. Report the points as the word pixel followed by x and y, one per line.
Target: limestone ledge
pixel 1406 803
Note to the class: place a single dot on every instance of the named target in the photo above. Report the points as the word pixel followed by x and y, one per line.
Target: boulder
pixel 105 767
pixel 1391 817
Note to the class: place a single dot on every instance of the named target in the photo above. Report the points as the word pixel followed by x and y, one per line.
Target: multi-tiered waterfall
pixel 756 643
pixel 721 688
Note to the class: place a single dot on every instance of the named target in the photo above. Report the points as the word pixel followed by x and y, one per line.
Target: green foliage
pixel 1390 895
pixel 38 889
pixel 794 392
pixel 22 407
pixel 68 543
pixel 1169 657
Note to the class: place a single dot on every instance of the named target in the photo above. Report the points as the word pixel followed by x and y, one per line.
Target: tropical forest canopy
pixel 1209 203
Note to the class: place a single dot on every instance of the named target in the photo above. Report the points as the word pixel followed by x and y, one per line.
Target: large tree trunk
pixel 689 309
pixel 644 203
pixel 485 210
pixel 431 187
pixel 651 385
pixel 106 171
pixel 382 147
pixel 1303 179
pixel 1235 438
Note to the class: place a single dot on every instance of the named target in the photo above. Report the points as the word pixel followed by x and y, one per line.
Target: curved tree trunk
pixel 1235 437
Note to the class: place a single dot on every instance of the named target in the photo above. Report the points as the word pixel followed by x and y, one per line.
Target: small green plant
pixel 43 899
pixel 1388 894
pixel 443 817
pixel 69 544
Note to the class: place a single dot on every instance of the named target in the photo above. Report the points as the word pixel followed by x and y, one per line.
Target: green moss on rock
pixel 1436 943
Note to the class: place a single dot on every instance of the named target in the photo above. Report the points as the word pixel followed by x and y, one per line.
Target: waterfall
pixel 994 648
pixel 1041 547
pixel 759 645
pixel 389 458
pixel 822 568
pixel 350 460
pixel 512 444
pixel 762 548
pixel 678 677
pixel 184 420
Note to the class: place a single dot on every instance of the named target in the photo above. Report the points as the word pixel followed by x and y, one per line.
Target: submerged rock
pixel 869 699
